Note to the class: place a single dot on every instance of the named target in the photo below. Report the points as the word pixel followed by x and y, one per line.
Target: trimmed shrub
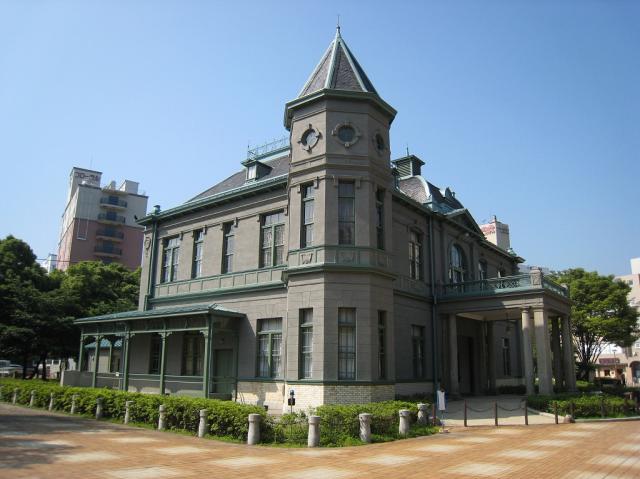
pixel 584 405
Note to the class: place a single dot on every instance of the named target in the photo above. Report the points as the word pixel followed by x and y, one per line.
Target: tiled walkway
pixel 37 444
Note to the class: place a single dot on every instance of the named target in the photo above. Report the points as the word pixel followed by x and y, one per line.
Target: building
pixel 99 222
pixel 50 263
pixel 618 363
pixel 497 233
pixel 324 267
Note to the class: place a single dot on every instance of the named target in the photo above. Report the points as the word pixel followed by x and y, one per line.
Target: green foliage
pixel 584 405
pixel 600 313
pixel 225 418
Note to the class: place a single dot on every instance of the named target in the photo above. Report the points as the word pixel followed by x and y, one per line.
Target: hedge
pixel 584 405
pixel 226 419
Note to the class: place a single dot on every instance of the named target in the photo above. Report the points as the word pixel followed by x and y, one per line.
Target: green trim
pixel 161 313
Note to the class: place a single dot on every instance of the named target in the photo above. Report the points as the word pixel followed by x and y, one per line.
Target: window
pixel 228 246
pixel 306 343
pixel 306 234
pixel 154 357
pixel 346 213
pixel 192 354
pixel 506 357
pixel 482 269
pixel 114 363
pixel 415 255
pixel 272 243
pixel 501 273
pixel 417 340
pixel 252 171
pixel 457 268
pixel 380 218
pixel 346 343
pixel 198 239
pixel 382 345
pixel 269 347
pixel 170 259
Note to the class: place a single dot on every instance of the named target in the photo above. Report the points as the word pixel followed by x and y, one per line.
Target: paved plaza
pixel 38 444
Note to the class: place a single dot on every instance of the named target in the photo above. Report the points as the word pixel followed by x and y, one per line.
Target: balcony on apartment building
pixel 108 250
pixel 113 202
pixel 109 234
pixel 110 217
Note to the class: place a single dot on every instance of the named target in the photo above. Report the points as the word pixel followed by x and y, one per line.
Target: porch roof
pixel 163 313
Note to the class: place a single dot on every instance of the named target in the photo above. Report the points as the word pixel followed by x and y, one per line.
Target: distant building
pixel 99 222
pixel 497 233
pixel 50 263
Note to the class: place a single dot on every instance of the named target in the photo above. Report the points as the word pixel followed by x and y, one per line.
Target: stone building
pixel 324 267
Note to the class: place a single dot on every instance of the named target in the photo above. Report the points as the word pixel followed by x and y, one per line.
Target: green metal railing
pixel 504 285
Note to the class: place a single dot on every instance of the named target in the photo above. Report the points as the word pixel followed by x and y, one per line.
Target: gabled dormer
pixel 255 170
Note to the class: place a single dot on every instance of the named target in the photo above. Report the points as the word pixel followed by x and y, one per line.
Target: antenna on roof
pixel 338 24
pixel 407 149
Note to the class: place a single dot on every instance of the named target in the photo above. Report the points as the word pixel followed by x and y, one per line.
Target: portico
pixel 530 311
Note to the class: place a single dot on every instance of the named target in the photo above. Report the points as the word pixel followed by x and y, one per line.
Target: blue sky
pixel 529 110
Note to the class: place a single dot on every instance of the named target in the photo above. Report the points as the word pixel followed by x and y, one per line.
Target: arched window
pixel 482 269
pixel 457 267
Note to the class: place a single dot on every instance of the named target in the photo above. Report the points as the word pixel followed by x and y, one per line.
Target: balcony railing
pixel 113 202
pixel 111 218
pixel 110 234
pixel 504 285
pixel 109 250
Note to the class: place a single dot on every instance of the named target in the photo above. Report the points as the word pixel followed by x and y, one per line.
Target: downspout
pixel 152 259
pixel 434 311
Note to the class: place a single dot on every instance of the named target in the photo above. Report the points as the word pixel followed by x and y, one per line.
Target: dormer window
pixel 252 171
pixel 256 170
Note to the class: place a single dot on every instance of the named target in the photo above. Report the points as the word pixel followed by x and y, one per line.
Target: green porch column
pixel 206 373
pixel 80 356
pixel 96 361
pixel 163 360
pixel 125 374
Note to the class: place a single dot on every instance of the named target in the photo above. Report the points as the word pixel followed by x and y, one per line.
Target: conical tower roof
pixel 338 69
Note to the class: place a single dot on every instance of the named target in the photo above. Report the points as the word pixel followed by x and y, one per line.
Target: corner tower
pixel 339 263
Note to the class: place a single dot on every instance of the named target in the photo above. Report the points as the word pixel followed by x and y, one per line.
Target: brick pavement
pixel 38 444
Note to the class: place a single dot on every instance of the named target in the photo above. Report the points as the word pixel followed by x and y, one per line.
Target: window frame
pixel 307 198
pixel 416 257
pixel 228 234
pixel 196 261
pixel 271 335
pixel 457 269
pixel 380 193
pixel 155 354
pixel 306 343
pixel 347 353
pixel 272 228
pixel 343 199
pixel 418 351
pixel 192 358
pixel 170 252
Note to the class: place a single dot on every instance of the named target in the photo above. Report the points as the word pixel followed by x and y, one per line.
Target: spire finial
pixel 407 149
pixel 338 26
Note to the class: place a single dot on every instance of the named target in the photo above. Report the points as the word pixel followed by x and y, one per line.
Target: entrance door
pixel 465 364
pixel 223 378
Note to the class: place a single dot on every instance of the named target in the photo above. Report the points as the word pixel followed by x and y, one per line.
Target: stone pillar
pixel 365 427
pixel 405 422
pixel 99 402
pixel 74 402
pixel 491 357
pixel 543 353
pixel 14 399
pixel 81 354
pixel 32 401
pixel 51 401
pixel 527 350
pixel 207 362
pixel 482 347
pixel 202 425
pixel 163 360
pixel 162 418
pixel 454 386
pixel 96 361
pixel 313 437
pixel 556 352
pixel 127 411
pixel 423 414
pixel 254 429
pixel 568 358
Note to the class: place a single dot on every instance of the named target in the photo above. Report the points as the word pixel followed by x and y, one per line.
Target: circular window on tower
pixel 346 133
pixel 309 138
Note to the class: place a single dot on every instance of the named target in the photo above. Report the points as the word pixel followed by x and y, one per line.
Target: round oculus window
pixel 346 133
pixel 309 138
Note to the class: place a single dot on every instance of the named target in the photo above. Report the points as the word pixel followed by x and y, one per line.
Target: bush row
pixel 584 405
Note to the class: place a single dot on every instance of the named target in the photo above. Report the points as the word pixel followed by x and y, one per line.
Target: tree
pixel 600 314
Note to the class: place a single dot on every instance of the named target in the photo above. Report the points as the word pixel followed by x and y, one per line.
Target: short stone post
pixel 99 404
pixel 127 411
pixel 405 422
pixel 74 403
pixel 365 426
pixel 495 412
pixel 572 409
pixel 465 413
pixel 253 437
pixel 526 413
pixel 14 399
pixel 51 401
pixel 202 425
pixel 162 419
pixel 313 436
pixel 32 400
pixel 555 411
pixel 423 414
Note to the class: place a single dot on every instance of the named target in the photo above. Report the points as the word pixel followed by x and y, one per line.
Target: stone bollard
pixel 99 402
pixel 74 403
pixel 162 420
pixel 202 425
pixel 365 427
pixel 32 400
pixel 14 399
pixel 313 436
pixel 568 418
pixel 254 429
pixel 51 401
pixel 405 422
pixel 127 411
pixel 423 414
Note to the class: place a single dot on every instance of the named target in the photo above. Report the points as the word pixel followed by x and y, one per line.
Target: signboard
pixel 609 361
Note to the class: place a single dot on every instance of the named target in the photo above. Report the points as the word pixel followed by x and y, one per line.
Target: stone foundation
pixel 411 389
